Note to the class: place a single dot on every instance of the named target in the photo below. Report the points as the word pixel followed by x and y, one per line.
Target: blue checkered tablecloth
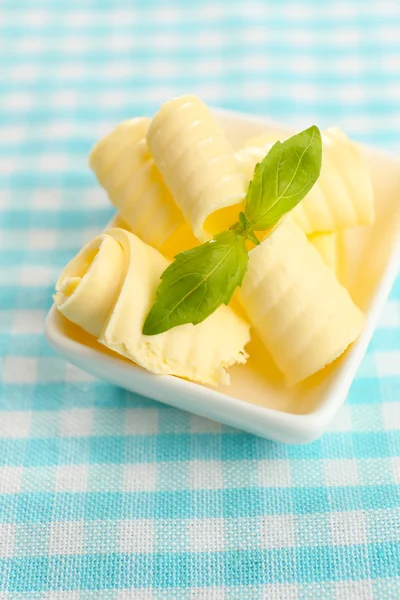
pixel 107 495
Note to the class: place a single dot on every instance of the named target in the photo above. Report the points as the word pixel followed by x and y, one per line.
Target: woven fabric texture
pixel 107 495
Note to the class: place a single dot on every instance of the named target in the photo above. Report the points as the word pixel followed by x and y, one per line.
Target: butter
pixel 198 165
pixel 326 246
pixel 108 289
pixel 176 181
pixel 124 167
pixel 304 317
pixel 249 156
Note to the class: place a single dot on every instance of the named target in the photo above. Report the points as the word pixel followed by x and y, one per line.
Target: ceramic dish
pixel 368 263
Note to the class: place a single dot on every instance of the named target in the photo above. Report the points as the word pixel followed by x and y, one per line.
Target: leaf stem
pixel 244 228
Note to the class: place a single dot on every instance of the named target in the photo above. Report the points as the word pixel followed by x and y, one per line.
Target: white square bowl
pixel 254 402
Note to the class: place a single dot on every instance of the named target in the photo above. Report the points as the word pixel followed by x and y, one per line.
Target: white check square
pixel 354 590
pixel 20 369
pixel 66 537
pixel 205 475
pixel 141 421
pixel 7 539
pixel 391 415
pixel 274 473
pixel 10 479
pixel 71 478
pixel 76 422
pixel 136 535
pixel 207 535
pixel 15 424
pixel 140 477
pixel 277 531
pixel 348 528
pixel 28 321
pixel 341 472
pixel 281 591
pixel 396 468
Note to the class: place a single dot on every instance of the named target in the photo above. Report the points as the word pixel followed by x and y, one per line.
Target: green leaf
pixel 243 227
pixel 250 235
pixel 198 282
pixel 243 221
pixel 283 178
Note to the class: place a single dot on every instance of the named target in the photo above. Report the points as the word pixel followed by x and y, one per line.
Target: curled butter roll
pixel 249 156
pixel 124 167
pixel 117 221
pixel 268 138
pixel 343 194
pixel 304 317
pixel 198 165
pixel 325 244
pixel 108 289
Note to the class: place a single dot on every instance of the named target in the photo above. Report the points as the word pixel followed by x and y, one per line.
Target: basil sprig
pixel 199 280
pixel 191 287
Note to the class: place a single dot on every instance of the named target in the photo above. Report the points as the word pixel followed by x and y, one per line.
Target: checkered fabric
pixel 108 495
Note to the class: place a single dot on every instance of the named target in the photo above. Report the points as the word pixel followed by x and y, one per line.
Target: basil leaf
pixel 243 227
pixel 283 178
pixel 198 282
